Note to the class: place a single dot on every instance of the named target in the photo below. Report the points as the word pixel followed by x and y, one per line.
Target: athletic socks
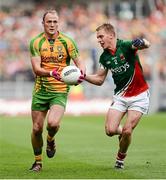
pixel 38 158
pixel 121 156
pixel 49 138
pixel 119 164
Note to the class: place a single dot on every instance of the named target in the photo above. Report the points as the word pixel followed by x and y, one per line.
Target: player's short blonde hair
pixel 52 11
pixel 107 27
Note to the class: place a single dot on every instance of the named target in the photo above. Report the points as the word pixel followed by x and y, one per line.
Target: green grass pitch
pixel 83 150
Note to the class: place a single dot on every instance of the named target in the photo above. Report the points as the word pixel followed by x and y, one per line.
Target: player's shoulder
pixel 65 37
pixel 121 43
pixel 104 56
pixel 37 37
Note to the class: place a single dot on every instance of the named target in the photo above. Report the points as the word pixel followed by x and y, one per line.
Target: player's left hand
pixel 81 78
pixel 138 42
pixel 55 74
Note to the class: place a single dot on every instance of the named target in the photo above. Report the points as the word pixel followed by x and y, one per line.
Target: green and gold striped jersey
pixel 54 53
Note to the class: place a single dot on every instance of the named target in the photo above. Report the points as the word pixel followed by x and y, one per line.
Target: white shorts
pixel 137 103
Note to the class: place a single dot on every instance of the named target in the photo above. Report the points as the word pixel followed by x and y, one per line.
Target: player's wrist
pixel 51 73
pixel 146 43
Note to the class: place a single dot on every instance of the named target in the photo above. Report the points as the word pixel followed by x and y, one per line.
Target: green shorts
pixel 43 101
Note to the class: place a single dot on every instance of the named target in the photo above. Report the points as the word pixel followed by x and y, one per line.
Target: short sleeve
pixel 34 50
pixel 73 50
pixel 127 44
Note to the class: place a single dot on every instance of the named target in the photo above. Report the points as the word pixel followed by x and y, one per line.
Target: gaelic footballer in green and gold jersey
pixel 54 53
pixel 50 51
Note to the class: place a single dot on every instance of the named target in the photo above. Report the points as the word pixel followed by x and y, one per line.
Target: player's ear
pixel 110 36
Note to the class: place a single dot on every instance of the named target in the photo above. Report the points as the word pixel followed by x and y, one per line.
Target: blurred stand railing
pixel 22 90
pixel 15 90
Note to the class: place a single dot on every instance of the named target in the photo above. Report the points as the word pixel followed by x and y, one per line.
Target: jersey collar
pixel 54 36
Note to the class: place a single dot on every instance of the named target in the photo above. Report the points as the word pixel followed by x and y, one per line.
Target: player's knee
pixel 37 129
pixel 126 131
pixel 53 124
pixel 110 132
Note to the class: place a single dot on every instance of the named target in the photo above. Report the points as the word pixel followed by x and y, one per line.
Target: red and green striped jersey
pixel 126 69
pixel 54 54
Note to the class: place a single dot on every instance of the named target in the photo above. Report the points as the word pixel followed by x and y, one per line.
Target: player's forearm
pixel 44 73
pixel 41 72
pixel 37 69
pixel 94 79
pixel 80 64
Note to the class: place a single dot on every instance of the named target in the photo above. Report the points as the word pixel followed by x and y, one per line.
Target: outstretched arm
pixel 140 43
pixel 97 78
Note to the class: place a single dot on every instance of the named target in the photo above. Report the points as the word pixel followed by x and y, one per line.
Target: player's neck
pixel 112 47
pixel 112 51
pixel 52 36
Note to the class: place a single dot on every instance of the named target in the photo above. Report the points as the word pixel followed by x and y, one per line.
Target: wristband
pixel 147 44
pixel 51 74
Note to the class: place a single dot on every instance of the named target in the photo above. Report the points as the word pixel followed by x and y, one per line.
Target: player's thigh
pixel 55 115
pixel 116 112
pixel 57 108
pixel 113 119
pixel 140 102
pixel 38 118
pixel 133 118
pixel 40 102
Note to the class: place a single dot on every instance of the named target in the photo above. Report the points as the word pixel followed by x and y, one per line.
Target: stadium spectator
pixel 77 21
pixel 51 51
pixel 131 95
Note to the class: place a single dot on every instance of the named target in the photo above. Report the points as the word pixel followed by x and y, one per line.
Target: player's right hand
pixel 81 78
pixel 55 74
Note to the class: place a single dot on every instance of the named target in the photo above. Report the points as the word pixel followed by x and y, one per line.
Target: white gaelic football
pixel 70 75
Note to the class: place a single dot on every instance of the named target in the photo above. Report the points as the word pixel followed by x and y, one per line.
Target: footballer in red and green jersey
pixel 126 69
pixel 54 54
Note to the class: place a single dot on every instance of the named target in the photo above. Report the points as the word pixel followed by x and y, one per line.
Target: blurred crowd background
pixel 21 20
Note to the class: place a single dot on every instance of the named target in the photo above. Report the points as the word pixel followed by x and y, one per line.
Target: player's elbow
pixel 100 80
pixel 99 83
pixel 37 71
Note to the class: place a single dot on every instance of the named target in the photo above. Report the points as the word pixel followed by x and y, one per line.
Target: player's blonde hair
pixel 52 11
pixel 107 27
